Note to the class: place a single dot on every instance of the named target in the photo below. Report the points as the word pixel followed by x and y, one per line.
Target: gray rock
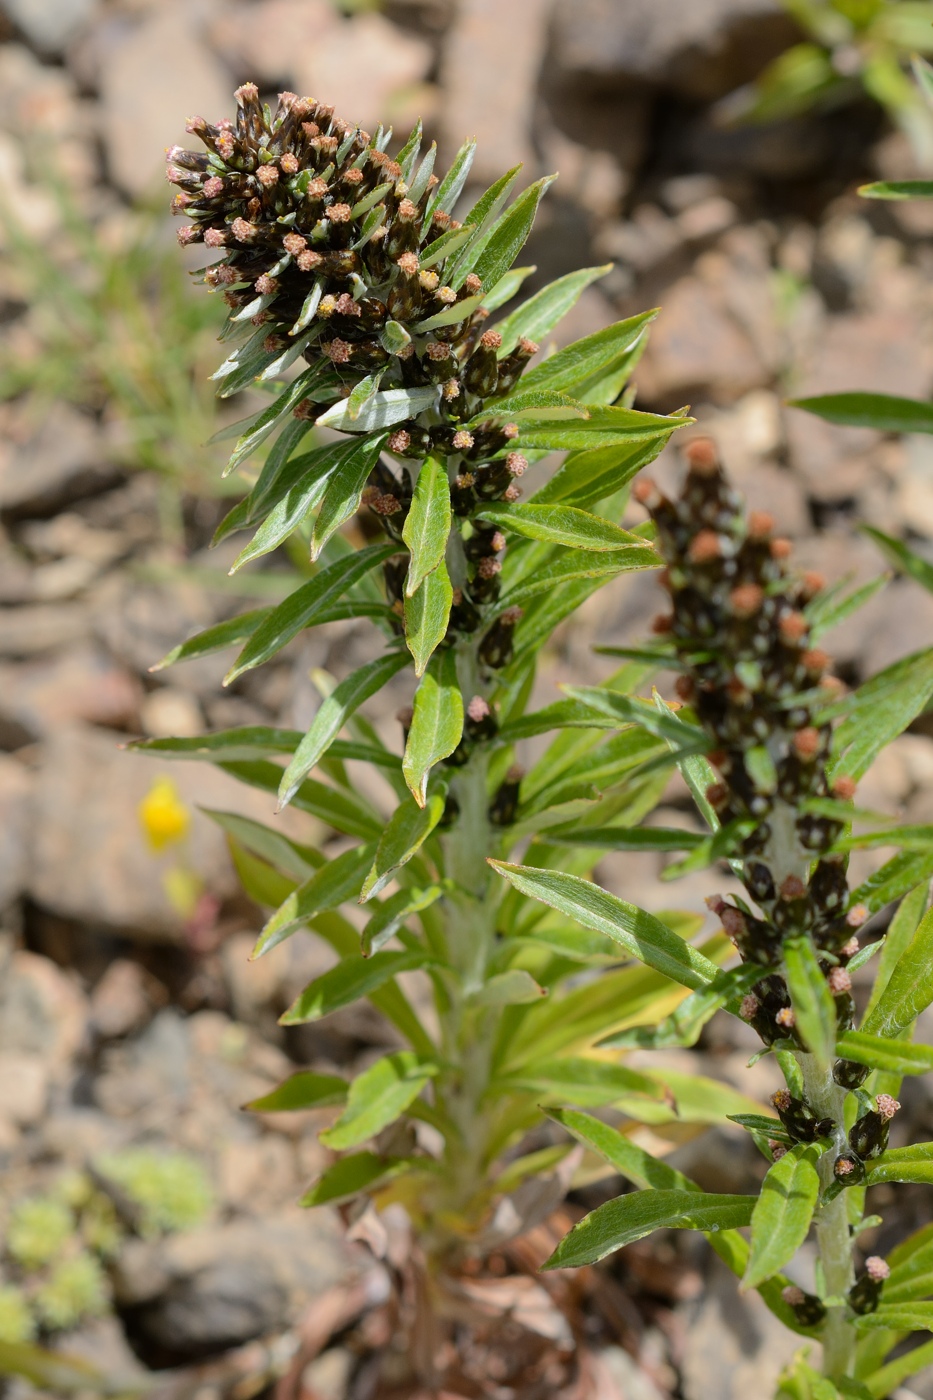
pixel 16 787
pixel 223 1285
pixel 63 461
pixel 80 683
pixel 43 1011
pixel 90 860
pixel 734 1347
pixel 42 627
pixel 704 49
pixel 49 24
pixel 157 75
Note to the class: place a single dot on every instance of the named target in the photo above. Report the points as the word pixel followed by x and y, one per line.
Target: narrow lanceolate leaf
pixel 901 557
pixel 811 999
pixel 683 1026
pixel 884 412
pixel 437 723
pixel 298 862
pixel 880 710
pixel 897 189
pixel 513 988
pixel 335 882
pixel 378 1097
pixel 428 523
pixel 580 1080
pixel 913 1163
pixel 538 316
pixel 391 915
pixel 641 935
pixel 380 411
pixel 408 829
pixel 449 189
pixel 233 632
pixel 634 1163
pixel 225 745
pixel 893 1056
pixel 632 1217
pixel 510 233
pixel 604 425
pixel 570 567
pixel 352 978
pixel 304 1090
pixel 566 525
pixel 302 608
pixel 427 613
pixel 587 357
pixel 628 709
pixel 783 1212
pixel 341 810
pixel 898 1317
pixel 363 1171
pixel 910 988
pixel 481 217
pixel 335 710
pixel 344 489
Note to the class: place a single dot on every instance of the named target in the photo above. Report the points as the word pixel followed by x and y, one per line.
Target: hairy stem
pixel 832 1223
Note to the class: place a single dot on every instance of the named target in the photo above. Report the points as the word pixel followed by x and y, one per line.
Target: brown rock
pixel 24 1087
pixel 90 860
pixel 696 345
pixel 16 788
pixel 81 683
pixel 124 999
pixel 42 627
pixel 43 1011
pixel 62 461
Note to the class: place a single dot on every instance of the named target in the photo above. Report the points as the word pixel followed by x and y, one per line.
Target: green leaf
pixel 828 609
pixel 509 234
pixel 427 524
pixel 567 568
pixel 566 525
pixel 628 709
pixel 437 723
pixel 390 916
pixel 683 1026
pixel 812 1000
pixel 328 887
pixel 482 217
pixel 898 1317
pixel 344 489
pixel 591 475
pixel 251 741
pixel 378 1097
pixel 897 877
pixel 217 638
pixel 264 884
pixel 535 406
pixel 887 1379
pixel 448 191
pixel 340 810
pixel 506 287
pixel 304 1090
pixel 427 614
pixel 632 1217
pixel 363 1171
pixel 910 988
pixel 880 710
pixel 297 862
pixel 538 316
pixel 603 427
pixel 352 978
pixel 914 1163
pixel 460 311
pixel 382 410
pixel 579 1080
pixel 897 189
pixel 641 935
pixel 362 393
pixel 589 356
pixel 783 1212
pixel 883 412
pixel 265 422
pixel 892 1056
pixel 901 557
pixel 901 930
pixel 762 1125
pixel 408 829
pixel 513 988
pixel 634 1163
pixel 303 608
pixel 626 838
pixel 335 710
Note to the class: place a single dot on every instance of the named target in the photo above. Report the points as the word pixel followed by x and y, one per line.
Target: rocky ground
pixel 121 1022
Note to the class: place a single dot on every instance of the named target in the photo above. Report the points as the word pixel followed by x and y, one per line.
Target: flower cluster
pixel 333 249
pixel 758 686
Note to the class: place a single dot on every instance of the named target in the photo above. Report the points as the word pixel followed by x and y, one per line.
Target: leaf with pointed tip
pixel 482 216
pixel 427 524
pixel 381 410
pixel 510 233
pixel 294 503
pixel 344 490
pixel 408 829
pixel 879 1052
pixel 340 810
pixel 263 425
pixel 538 316
pixel 630 1161
pixel 884 412
pixel 568 568
pixel 363 1171
pixel 587 357
pixel 532 407
pixel 445 196
pixel 225 745
pixel 304 607
pixel 641 935
pixel 303 1090
pixel 352 978
pixel 783 1212
pixel 378 1097
pixel 913 1163
pixel 335 882
pixel 632 1217
pixel 296 861
pixel 909 562
pixel 565 525
pixel 390 916
pixel 910 987
pixel 217 638
pixel 361 395
pixel 427 614
pixel 437 723
pixel 814 1009
pixel 444 247
pixel 333 714
pixel 603 426
pixel 597 472
pixel 507 286
pixel 460 311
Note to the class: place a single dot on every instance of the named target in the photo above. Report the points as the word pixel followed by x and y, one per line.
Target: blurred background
pixel 710 151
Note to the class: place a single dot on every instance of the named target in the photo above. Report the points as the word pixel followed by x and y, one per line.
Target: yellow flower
pixel 163 816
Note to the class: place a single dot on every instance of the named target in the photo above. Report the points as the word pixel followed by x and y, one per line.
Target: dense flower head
pixel 739 626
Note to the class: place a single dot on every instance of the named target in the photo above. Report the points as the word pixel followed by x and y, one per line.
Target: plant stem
pixel 833 1239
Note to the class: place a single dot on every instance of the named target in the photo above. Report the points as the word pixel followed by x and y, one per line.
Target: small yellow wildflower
pixel 163 816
